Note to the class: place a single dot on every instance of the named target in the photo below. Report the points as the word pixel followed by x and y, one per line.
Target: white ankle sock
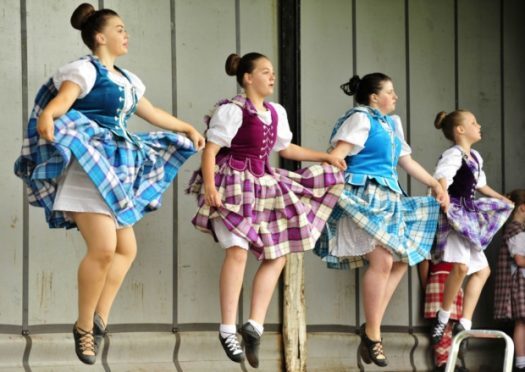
pixel 466 323
pixel 258 327
pixel 227 329
pixel 520 361
pixel 443 316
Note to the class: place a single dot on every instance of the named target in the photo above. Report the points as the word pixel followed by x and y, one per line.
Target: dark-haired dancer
pixel 248 205
pixel 468 225
pixel 373 220
pixel 509 293
pixel 85 168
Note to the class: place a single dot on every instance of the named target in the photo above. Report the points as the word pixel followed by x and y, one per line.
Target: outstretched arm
pixel 298 153
pixel 488 191
pixel 58 106
pixel 414 169
pixel 162 119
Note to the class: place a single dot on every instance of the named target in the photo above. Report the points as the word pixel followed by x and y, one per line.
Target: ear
pixel 459 129
pixel 247 78
pixel 373 98
pixel 100 39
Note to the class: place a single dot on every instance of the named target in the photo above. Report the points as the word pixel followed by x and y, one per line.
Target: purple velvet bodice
pixel 253 143
pixel 464 182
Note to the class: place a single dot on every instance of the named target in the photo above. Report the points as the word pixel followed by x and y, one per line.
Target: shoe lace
pixel 378 351
pixel 233 344
pixel 439 329
pixel 86 342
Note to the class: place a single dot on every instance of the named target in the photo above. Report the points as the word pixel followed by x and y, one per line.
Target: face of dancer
pixel 385 100
pixel 114 37
pixel 469 128
pixel 261 80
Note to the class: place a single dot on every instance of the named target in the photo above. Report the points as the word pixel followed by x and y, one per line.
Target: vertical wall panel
pixel 380 35
pixel 11 217
pixel 53 254
pixel 205 33
pixel 146 294
pixel 325 66
pixel 479 85
pixel 431 45
pixel 479 77
pixel 514 94
pixel 258 33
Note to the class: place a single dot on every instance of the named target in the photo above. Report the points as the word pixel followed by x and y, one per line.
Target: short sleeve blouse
pixel 356 128
pixel 450 162
pixel 83 73
pixel 227 119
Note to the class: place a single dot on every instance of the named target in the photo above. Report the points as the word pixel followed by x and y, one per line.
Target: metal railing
pixel 481 333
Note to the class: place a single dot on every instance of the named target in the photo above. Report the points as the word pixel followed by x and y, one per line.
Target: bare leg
pixel 232 274
pixel 124 256
pixel 374 286
pixel 263 286
pixel 473 291
pixel 519 337
pixel 453 284
pixel 396 274
pixel 99 233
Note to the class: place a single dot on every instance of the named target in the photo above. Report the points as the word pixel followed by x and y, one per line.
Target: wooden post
pixel 294 317
pixel 294 320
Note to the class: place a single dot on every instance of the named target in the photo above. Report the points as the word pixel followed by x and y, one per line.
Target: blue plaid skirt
pixel 130 175
pixel 405 226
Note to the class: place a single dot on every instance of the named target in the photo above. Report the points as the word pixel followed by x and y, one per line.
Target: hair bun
pixel 350 88
pixel 438 122
pixel 81 15
pixel 232 64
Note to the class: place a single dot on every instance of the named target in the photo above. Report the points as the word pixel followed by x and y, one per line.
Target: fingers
pixel 198 141
pixel 213 200
pixel 47 134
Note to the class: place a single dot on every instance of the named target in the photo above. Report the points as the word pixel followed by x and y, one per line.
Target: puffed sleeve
pixel 81 72
pixel 482 180
pixel 140 88
pixel 517 245
pixel 224 124
pixel 405 148
pixel 448 165
pixel 284 134
pixel 354 130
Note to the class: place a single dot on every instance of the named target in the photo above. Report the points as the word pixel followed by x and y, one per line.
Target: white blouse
pixel 516 246
pixel 356 128
pixel 83 73
pixel 227 119
pixel 450 162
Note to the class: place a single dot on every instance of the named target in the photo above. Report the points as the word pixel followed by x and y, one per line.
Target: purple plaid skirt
pixel 277 213
pixel 476 220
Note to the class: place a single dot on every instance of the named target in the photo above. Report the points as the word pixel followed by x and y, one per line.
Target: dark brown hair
pixel 238 66
pixel 363 88
pixel 90 22
pixel 447 122
pixel 518 198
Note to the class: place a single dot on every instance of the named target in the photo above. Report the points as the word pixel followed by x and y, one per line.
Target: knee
pixel 278 263
pixel 103 255
pixel 382 266
pixel 237 255
pixel 460 269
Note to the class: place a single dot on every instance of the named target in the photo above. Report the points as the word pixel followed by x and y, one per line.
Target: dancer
pixel 373 220
pixel 249 205
pixel 469 224
pixel 509 296
pixel 83 166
